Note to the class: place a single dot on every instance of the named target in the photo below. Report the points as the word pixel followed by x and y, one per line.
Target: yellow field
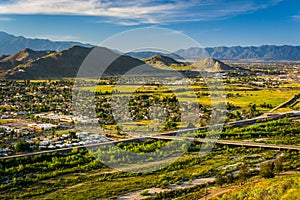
pixel 246 96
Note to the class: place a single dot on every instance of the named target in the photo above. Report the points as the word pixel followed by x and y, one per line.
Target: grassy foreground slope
pixel 281 188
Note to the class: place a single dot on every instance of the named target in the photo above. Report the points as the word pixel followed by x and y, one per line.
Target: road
pixel 170 136
pixel 71 148
pixel 231 142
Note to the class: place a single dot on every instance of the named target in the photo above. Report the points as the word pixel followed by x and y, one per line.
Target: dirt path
pixel 212 192
pixel 137 196
pixel 216 191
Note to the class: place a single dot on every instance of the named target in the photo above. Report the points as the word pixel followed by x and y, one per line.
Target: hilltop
pixel 9 62
pixel 161 60
pixel 26 54
pixel 211 64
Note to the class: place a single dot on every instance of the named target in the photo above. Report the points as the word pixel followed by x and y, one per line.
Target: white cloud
pixel 296 17
pixel 136 12
pixel 6 19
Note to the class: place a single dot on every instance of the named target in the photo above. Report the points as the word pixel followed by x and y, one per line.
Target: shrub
pixel 267 170
pixel 145 193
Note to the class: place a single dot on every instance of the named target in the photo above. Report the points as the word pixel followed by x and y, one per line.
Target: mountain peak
pixel 76 47
pixel 27 50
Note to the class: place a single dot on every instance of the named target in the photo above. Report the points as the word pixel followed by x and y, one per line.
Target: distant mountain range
pixel 10 44
pixel 148 54
pixel 263 53
pixel 22 58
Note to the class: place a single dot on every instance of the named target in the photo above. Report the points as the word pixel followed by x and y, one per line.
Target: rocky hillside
pixel 9 62
pixel 210 64
pixel 66 63
pixel 161 60
pixel 27 54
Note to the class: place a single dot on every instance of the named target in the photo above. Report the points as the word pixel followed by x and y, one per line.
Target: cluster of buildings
pixel 44 127
pixel 65 141
pixel 66 118
pixel 11 114
pixel 6 130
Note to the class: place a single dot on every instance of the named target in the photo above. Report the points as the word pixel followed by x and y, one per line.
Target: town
pixel 39 113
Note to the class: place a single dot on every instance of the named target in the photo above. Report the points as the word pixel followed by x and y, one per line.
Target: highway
pixel 171 136
pixel 71 148
pixel 231 142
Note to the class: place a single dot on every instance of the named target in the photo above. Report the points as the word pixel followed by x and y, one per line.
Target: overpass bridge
pixel 170 136
pixel 231 142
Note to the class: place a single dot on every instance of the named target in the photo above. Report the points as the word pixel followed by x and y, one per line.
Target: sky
pixel 210 22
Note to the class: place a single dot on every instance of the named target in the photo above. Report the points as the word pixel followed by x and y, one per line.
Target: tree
pixel 72 135
pixel 118 129
pixel 252 110
pixel 22 147
pixel 230 178
pixel 278 165
pixel 238 115
pixel 243 173
pixel 267 170
pixel 170 125
pixel 53 131
pixel 220 180
pixel 145 193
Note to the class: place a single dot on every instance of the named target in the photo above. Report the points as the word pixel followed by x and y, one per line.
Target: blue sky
pixel 210 22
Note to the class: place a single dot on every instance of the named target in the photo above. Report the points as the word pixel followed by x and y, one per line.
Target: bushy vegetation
pixel 79 175
pixel 281 131
pixel 283 188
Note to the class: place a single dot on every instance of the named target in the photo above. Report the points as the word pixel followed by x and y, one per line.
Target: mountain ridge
pixel 66 63
pixel 27 54
pixel 264 53
pixel 11 61
pixel 10 44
